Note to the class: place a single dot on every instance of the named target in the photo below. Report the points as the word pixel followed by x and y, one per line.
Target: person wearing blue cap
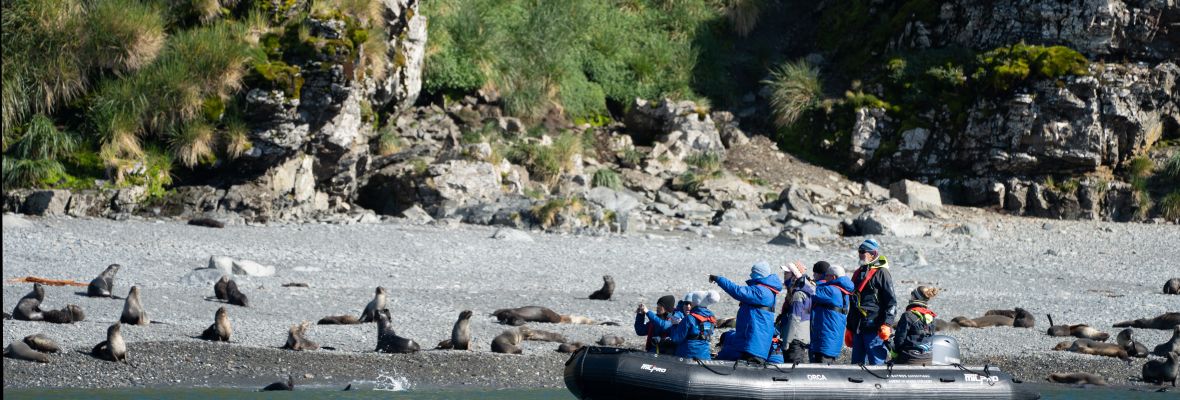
pixel 870 323
pixel 754 328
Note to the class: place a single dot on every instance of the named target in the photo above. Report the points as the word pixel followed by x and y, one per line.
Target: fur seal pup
pixel 1172 286
pixel 339 320
pixel 608 288
pixel 508 342
pixel 133 313
pixel 1171 346
pixel 1160 372
pixel 1128 343
pixel 941 325
pixel 1021 318
pixel 102 285
pixel 219 288
pixel 387 339
pixel 1167 320
pixel 297 338
pixel 1078 378
pixel 221 330
pixel 42 343
pixel 541 336
pixel 68 315
pixel 206 222
pixel 611 340
pixel 235 296
pixel 28 308
pixel 288 385
pixel 570 347
pixel 19 350
pixel 114 348
pixel 461 332
pixel 375 306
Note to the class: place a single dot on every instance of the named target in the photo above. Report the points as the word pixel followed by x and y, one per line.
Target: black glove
pixel 712 278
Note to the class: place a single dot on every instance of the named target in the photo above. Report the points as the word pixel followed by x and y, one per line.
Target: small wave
pixel 391 382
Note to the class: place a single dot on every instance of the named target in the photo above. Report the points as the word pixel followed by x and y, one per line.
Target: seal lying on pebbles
pixel 28 308
pixel 114 348
pixel 1081 331
pixel 1091 347
pixel 297 338
pixel 608 288
pixel 1078 378
pixel 611 340
pixel 460 334
pixel 541 336
pixel 1021 318
pixel 1168 320
pixel 68 315
pixel 42 343
pixel 339 320
pixel 1171 346
pixel 21 351
pixel 984 321
pixel 519 316
pixel 101 286
pixel 941 325
pixel 375 306
pixel 508 342
pixel 1172 286
pixel 133 313
pixel 1133 348
pixel 570 347
pixel 288 385
pixel 221 330
pixel 387 339
pixel 206 222
pixel 1160 372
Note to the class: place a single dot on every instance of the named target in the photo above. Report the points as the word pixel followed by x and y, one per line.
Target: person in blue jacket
pixel 657 325
pixel 693 332
pixel 755 318
pixel 829 312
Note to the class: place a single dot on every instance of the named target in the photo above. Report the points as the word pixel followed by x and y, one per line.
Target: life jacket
pixel 864 281
pixel 762 307
pixel 705 327
pixel 842 310
pixel 660 343
pixel 923 313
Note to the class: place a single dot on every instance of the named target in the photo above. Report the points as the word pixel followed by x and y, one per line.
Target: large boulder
pixel 460 183
pixel 672 121
pixel 46 202
pixel 921 198
pixel 618 202
pixel 890 217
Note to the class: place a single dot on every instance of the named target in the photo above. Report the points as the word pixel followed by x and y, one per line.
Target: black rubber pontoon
pixel 610 373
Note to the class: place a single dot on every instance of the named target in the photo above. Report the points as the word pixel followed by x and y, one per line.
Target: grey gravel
pixel 1102 273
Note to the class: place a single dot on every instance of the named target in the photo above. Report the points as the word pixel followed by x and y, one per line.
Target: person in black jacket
pixel 870 323
pixel 914 338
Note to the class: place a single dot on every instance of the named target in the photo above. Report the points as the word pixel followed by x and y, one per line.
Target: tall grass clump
pixel 1172 168
pixel 795 88
pixel 43 66
pixel 34 158
pixel 1170 206
pixel 124 35
pixel 743 15
pixel 608 178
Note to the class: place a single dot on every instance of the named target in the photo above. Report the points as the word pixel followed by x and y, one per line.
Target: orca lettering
pixel 817 377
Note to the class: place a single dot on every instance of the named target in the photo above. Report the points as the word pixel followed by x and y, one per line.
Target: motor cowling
pixel 945 350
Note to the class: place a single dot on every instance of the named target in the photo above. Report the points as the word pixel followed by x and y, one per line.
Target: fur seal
pixel 541 336
pixel 206 222
pixel 608 288
pixel 1160 372
pixel 28 308
pixel 518 316
pixel 1021 318
pixel 221 330
pixel 387 339
pixel 219 288
pixel 508 342
pixel 375 306
pixel 339 320
pixel 727 323
pixel 114 348
pixel 68 315
pixel 1167 320
pixel 1172 286
pixel 1171 346
pixel 1081 331
pixel 1078 378
pixel 133 313
pixel 297 338
pixel 611 340
pixel 570 347
pixel 941 325
pixel 1091 347
pixel 102 285
pixel 984 321
pixel 288 385
pixel 42 343
pixel 461 332
pixel 235 296
pixel 1128 343
pixel 19 350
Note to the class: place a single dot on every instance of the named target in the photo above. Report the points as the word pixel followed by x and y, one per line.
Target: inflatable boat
pixel 612 373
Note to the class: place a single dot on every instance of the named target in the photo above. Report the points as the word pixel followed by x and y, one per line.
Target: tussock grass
pixel 795 88
pixel 743 15
pixel 192 143
pixel 606 177
pixel 124 35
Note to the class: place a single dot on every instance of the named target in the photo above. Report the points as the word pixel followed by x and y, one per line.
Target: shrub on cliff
pixel 795 87
pixel 1003 68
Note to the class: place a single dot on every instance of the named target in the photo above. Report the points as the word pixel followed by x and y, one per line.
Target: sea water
pixel 1047 393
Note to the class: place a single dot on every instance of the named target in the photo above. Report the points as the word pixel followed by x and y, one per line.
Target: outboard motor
pixel 945 351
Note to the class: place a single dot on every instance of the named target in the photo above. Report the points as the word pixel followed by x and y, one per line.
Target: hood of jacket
pixel 771 280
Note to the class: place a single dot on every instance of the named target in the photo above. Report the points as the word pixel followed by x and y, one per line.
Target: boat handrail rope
pixel 702 363
pixel 866 369
pixel 793 365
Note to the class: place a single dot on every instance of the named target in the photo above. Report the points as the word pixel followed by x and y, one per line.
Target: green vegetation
pixel 1170 206
pixel 1172 168
pixel 546 214
pixel 1003 68
pixel 1140 167
pixel 608 178
pixel 795 88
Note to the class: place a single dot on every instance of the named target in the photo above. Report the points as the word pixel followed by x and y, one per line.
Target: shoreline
pixel 430 282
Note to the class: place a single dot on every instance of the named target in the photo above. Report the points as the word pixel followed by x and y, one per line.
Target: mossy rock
pixel 277 75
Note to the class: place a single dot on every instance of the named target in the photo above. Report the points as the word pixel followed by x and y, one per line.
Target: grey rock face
pixel 919 197
pixel 46 202
pixel 890 217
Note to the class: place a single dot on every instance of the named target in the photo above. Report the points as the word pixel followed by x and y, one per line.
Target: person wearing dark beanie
pixel 657 325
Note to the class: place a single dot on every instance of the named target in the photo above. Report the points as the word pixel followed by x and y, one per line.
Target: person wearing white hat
pixel 794 322
pixel 693 334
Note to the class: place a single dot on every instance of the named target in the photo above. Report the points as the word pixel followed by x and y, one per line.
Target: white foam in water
pixel 391 383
